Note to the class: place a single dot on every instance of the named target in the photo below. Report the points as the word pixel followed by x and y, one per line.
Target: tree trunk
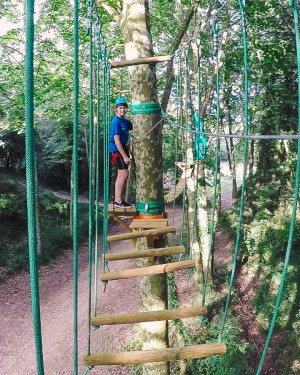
pixel 148 162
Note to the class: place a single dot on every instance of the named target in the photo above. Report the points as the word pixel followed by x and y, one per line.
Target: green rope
pixel 75 187
pixel 90 165
pixel 150 208
pixel 30 183
pixel 184 157
pixel 106 90
pixel 176 141
pixel 188 158
pixel 97 172
pixel 197 137
pixel 144 108
pixel 217 165
pixel 245 158
pixel 294 6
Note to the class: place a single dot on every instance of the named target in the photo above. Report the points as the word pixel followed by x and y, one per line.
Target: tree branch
pixel 109 10
pixel 176 44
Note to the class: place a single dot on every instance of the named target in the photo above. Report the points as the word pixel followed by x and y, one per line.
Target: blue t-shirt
pixel 119 126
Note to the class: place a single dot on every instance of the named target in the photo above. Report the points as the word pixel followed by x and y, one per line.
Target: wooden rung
pixel 142 233
pixel 148 271
pixel 149 316
pixel 141 60
pixel 158 355
pixel 148 224
pixel 159 252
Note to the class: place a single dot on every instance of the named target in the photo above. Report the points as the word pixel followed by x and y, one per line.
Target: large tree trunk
pixel 148 163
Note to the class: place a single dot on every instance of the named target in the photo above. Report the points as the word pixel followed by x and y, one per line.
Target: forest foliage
pixel 272 110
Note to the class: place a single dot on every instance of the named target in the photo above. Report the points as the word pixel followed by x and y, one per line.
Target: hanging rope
pixel 90 166
pixel 294 6
pixel 176 133
pixel 30 184
pixel 97 32
pixel 245 158
pixel 75 187
pixel 216 188
pixel 106 91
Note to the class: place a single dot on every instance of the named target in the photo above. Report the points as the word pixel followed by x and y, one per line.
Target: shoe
pixel 122 204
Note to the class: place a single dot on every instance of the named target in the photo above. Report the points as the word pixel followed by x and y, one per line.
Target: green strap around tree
pixel 150 208
pixel 30 184
pixel 144 108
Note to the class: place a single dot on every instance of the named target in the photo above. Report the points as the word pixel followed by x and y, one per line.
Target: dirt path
pixel 17 353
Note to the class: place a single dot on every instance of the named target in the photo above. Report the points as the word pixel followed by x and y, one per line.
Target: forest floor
pixel 17 351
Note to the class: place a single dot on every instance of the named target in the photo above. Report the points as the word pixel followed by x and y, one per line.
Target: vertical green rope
pixel 105 154
pixel 30 184
pixel 176 135
pixel 196 138
pixel 90 164
pixel 217 161
pixel 75 187
pixel 184 149
pixel 97 30
pixel 245 158
pixel 295 201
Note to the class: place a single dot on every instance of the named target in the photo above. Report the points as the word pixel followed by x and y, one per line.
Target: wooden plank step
pixel 148 224
pixel 116 211
pixel 158 355
pixel 147 271
pixel 149 316
pixel 159 252
pixel 142 233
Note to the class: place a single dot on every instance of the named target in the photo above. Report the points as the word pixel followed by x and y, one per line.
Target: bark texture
pixel 148 165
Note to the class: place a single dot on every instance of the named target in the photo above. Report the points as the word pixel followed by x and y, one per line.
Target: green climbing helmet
pixel 121 101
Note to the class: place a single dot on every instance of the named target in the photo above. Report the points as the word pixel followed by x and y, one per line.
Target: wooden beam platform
pixel 139 61
pixel 149 316
pixel 159 252
pixel 172 195
pixel 148 224
pixel 147 271
pixel 159 355
pixel 122 223
pixel 143 233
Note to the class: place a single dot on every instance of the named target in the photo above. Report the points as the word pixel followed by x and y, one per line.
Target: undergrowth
pixel 264 242
pixel 207 330
pixel 53 221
